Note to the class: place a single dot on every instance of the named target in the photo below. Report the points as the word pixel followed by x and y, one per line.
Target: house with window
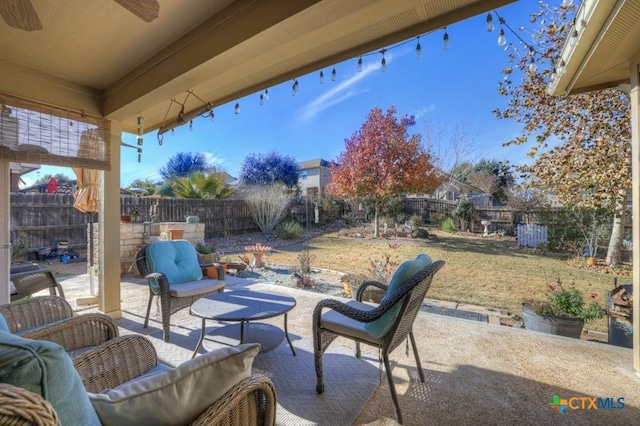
pixel 313 176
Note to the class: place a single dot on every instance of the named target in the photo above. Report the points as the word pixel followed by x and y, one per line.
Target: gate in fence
pixel 531 234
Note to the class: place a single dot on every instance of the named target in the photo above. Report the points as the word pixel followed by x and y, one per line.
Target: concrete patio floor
pixel 476 372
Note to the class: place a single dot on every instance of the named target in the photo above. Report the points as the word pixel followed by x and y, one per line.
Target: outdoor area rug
pixel 349 382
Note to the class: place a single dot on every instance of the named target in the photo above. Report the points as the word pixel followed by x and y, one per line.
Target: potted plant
pixel 207 251
pixel 564 312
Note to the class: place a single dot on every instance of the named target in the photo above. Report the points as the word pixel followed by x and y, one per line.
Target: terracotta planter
pixel 176 234
pixel 210 272
pixel 568 327
pixel 592 261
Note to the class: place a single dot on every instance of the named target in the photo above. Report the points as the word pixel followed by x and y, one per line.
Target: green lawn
pixel 490 272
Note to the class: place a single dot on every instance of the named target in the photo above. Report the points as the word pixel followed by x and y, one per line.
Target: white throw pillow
pixel 179 395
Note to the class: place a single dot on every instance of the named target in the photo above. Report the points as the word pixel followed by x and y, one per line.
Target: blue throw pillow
pixel 3 324
pixel 45 368
pixel 177 259
pixel 380 327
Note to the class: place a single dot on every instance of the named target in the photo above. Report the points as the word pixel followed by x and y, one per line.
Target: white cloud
pixel 338 94
pixel 425 110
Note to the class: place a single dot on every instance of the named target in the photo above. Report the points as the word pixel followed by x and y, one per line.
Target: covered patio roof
pixel 100 58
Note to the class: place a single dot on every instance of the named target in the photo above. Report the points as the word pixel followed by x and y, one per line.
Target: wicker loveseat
pixel 121 383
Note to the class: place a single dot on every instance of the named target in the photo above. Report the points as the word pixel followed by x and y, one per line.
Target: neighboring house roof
pixel 312 164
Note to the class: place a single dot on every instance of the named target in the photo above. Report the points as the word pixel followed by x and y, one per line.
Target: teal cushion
pixel 3 324
pixel 46 369
pixel 380 327
pixel 176 396
pixel 177 259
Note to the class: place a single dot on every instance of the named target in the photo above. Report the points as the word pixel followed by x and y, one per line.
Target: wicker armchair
pixel 51 318
pixel 251 402
pixel 171 298
pixel 349 319
pixel 32 278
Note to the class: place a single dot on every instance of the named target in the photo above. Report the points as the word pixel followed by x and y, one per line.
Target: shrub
pixel 267 204
pixel 448 225
pixel 436 219
pixel 420 233
pixel 417 220
pixel 290 230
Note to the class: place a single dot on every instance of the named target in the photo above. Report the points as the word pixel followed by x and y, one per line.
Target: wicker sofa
pixel 121 382
pixel 51 318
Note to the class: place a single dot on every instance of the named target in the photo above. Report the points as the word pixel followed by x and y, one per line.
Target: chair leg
pixel 358 349
pixel 317 354
pixel 415 353
pixel 146 319
pixel 392 388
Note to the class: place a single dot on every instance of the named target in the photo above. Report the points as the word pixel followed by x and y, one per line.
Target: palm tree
pixel 199 185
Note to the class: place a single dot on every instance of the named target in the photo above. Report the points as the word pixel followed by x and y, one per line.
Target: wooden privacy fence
pixel 40 220
pixel 432 211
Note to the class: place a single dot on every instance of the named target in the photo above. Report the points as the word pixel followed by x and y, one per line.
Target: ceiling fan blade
pixel 20 14
pixel 147 10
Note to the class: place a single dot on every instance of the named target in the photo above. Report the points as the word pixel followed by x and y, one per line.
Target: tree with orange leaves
pixel 381 160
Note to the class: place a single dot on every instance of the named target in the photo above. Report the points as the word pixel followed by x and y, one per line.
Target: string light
pixel 445 39
pixel 139 137
pixel 559 69
pixel 490 26
pixel 212 116
pixel 502 39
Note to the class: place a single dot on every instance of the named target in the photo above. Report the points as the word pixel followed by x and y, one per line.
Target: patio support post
pixel 5 242
pixel 109 231
pixel 635 143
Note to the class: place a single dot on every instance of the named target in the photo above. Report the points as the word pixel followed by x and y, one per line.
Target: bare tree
pixel 486 181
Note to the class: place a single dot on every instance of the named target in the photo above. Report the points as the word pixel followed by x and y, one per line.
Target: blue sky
pixel 443 89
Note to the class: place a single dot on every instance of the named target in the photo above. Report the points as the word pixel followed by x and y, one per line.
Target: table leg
pixel 242 332
pixel 199 345
pixel 286 333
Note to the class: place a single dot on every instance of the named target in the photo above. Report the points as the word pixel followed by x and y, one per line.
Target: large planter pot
pixel 562 326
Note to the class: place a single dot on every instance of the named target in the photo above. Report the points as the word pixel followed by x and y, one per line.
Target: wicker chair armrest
pixel 163 282
pixel 91 329
pixel 382 308
pixel 115 362
pixel 19 406
pixel 366 284
pixel 250 402
pixel 32 281
pixel 35 312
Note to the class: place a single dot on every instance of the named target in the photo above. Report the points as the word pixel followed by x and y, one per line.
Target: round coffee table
pixel 244 308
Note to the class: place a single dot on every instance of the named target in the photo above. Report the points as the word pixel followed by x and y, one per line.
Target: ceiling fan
pixel 21 14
